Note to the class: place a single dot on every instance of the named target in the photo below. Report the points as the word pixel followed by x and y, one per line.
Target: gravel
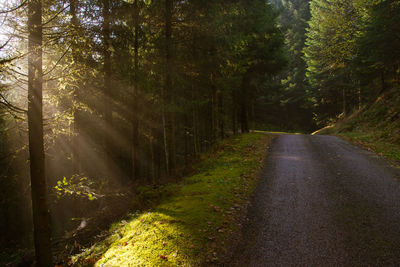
pixel 322 202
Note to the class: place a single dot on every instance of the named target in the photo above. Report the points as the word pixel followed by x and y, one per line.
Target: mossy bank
pixel 376 126
pixel 195 218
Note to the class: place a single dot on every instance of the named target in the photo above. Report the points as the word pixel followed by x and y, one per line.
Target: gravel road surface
pixel 322 202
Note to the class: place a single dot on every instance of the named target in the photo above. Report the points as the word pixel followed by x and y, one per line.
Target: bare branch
pixel 55 16
pixel 4 102
pixel 14 8
pixel 4 45
pixel 58 61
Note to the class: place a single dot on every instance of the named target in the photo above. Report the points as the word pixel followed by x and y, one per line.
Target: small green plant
pixel 78 186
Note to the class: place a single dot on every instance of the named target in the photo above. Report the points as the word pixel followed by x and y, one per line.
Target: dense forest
pixel 101 97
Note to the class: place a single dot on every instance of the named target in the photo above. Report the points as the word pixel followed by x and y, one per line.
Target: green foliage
pixel 294 97
pixel 351 53
pixel 190 225
pixel 77 186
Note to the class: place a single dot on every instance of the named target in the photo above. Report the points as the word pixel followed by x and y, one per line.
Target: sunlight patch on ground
pixel 194 219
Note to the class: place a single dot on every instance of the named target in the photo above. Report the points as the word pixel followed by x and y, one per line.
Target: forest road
pixel 322 202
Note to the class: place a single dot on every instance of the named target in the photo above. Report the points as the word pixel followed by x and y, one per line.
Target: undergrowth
pixel 194 219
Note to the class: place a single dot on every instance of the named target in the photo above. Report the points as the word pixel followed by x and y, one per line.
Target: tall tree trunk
pixel 234 113
pixel 107 105
pixel 186 139
pixel 40 209
pixel 173 167
pixel 383 82
pixel 195 119
pixel 165 133
pixel 77 116
pixel 344 102
pixel 221 115
pixel 168 116
pixel 135 119
pixel 153 159
pixel 214 110
pixel 244 123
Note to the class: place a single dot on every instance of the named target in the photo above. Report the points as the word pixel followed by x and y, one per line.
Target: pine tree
pixel 331 46
pixel 40 208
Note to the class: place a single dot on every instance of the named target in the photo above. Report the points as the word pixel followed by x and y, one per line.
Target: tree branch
pixel 14 8
pixel 4 102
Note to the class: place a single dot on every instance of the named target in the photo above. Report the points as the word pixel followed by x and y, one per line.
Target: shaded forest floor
pixel 375 127
pixel 195 219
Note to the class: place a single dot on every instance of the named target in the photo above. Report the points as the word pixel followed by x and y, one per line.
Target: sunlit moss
pixel 189 227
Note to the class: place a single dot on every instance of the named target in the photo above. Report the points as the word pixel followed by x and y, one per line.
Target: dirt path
pixel 323 202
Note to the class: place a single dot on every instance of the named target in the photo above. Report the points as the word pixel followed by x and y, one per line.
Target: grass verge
pixel 195 218
pixel 375 127
pixel 371 140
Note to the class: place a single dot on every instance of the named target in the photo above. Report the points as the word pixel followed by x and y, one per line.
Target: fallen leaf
pixel 163 257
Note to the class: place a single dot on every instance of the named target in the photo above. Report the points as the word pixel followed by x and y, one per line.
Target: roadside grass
pixel 194 220
pixel 372 140
pixel 376 127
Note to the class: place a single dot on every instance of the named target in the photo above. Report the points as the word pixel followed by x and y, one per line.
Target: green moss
pixel 193 220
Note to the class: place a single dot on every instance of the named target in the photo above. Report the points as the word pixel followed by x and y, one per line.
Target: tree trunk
pixel 173 167
pixel 194 99
pixel 135 120
pixel 397 71
pixel 344 102
pixel 77 116
pixel 195 124
pixel 165 137
pixel 107 105
pixel 168 117
pixel 214 110
pixel 234 113
pixel 40 209
pixel 244 124
pixel 153 160
pixel 383 82
pixel 221 115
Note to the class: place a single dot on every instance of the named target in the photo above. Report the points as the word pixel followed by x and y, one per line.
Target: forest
pixel 101 100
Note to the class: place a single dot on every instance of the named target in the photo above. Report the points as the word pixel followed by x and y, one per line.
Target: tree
pixel 40 208
pixel 77 113
pixel 135 119
pixel 294 98
pixel 381 31
pixel 261 56
pixel 330 47
pixel 167 94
